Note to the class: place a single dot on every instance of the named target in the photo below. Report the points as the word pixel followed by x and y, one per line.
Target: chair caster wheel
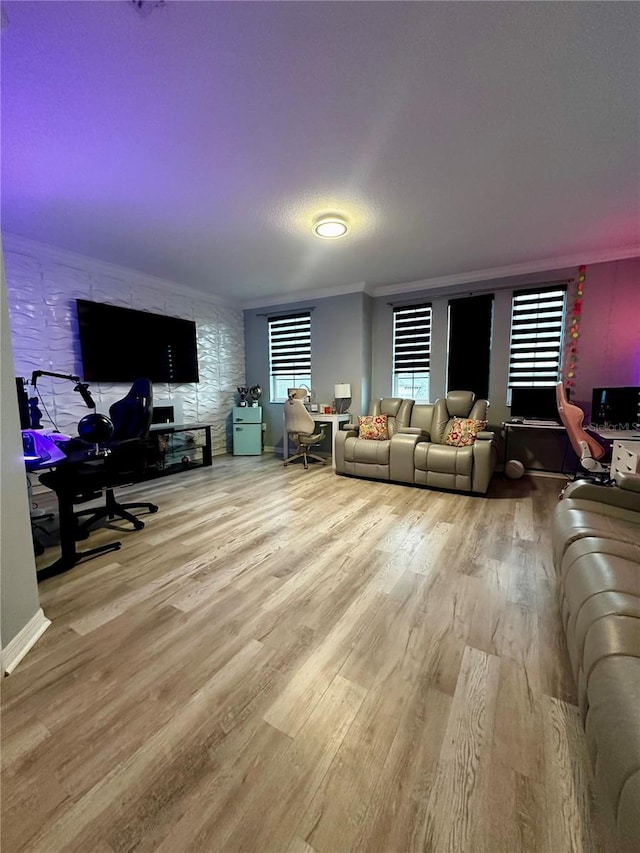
pixel 81 535
pixel 118 545
pixel 138 525
pixel 154 509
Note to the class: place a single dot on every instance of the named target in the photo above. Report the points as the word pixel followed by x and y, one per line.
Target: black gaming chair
pixel 130 453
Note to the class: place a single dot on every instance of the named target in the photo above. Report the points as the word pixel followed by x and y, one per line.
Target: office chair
pixel 301 427
pixel 587 448
pixel 129 453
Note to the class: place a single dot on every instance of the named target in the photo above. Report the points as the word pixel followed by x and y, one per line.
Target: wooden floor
pixel 288 660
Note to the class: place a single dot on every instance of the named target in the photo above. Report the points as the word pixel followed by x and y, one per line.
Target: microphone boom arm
pixel 81 387
pixel 37 373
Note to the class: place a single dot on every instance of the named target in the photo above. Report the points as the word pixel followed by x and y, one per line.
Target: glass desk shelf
pixel 180 451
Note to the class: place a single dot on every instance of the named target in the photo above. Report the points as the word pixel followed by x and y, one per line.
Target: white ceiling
pixel 198 143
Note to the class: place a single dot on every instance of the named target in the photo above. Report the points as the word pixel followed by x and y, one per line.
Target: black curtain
pixel 470 344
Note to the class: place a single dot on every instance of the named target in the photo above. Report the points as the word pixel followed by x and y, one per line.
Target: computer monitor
pixel 616 407
pixel 534 404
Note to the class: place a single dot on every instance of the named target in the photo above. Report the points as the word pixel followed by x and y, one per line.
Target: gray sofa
pixel 596 552
pixel 417 450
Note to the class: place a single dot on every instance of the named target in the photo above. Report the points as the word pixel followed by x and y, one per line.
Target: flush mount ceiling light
pixel 146 7
pixel 330 227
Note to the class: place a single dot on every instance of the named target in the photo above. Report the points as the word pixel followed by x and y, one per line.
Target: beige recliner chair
pixel 466 468
pixel 364 458
pixel 301 427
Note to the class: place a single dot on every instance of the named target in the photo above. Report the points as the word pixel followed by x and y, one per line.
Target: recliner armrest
pixel 485 435
pixel 617 496
pixel 414 431
pixel 401 455
pixel 629 482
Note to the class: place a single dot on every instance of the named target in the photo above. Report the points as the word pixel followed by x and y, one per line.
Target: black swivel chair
pixel 130 453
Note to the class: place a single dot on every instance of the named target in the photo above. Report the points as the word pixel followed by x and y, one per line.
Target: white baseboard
pixel 24 640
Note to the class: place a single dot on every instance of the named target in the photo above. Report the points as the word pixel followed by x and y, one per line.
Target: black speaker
pixel 23 403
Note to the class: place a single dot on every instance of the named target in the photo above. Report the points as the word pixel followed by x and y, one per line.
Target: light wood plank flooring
pixel 288 660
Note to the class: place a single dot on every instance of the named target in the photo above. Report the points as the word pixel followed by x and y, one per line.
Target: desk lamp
pixel 342 394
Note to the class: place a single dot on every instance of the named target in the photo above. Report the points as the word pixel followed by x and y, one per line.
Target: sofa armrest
pixel 401 456
pixel 485 435
pixel 630 482
pixel 340 438
pixel 584 490
pixel 485 458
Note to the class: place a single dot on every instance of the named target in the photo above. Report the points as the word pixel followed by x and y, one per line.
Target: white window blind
pixel 289 353
pixel 411 351
pixel 537 325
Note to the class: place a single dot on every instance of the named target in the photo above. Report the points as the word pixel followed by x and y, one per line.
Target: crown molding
pixel 510 271
pixel 545 265
pixel 304 295
pixel 55 254
pixel 24 245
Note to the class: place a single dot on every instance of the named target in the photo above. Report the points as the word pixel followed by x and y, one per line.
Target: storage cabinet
pixel 625 457
pixel 247 430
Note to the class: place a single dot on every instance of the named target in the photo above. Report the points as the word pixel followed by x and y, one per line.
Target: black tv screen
pixel 121 344
pixel 616 407
pixel 534 404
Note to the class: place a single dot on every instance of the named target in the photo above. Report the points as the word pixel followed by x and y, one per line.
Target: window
pixel 289 354
pixel 469 351
pixel 537 323
pixel 411 351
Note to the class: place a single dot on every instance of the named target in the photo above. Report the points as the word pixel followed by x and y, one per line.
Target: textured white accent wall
pixel 42 286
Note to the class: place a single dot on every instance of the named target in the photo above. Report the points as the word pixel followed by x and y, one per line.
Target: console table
pixel 177 451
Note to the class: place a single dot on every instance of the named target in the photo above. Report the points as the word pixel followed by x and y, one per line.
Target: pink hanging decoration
pixel 571 347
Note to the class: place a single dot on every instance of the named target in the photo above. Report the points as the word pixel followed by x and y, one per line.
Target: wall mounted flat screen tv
pixel 121 344
pixel 534 404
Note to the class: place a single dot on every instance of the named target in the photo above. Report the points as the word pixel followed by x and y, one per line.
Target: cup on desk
pixel 326 410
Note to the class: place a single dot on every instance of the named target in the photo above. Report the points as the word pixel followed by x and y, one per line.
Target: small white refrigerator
pixel 247 430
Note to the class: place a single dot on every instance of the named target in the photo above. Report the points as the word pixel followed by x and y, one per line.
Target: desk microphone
pixel 83 389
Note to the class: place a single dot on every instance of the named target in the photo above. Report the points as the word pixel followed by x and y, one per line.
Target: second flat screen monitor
pixel 534 404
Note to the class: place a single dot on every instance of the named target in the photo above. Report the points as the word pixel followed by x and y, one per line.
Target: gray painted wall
pixel 352 341
pixel 340 341
pixel 18 586
pixel 383 340
pixel 357 330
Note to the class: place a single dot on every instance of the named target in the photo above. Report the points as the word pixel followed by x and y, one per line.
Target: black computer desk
pixel 78 473
pixel 545 426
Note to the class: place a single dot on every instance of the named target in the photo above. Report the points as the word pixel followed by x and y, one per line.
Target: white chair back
pixel 297 419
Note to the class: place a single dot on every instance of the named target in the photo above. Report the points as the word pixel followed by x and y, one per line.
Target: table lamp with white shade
pixel 342 395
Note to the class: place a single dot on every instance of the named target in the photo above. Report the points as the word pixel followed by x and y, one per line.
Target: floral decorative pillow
pixel 373 427
pixel 463 431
